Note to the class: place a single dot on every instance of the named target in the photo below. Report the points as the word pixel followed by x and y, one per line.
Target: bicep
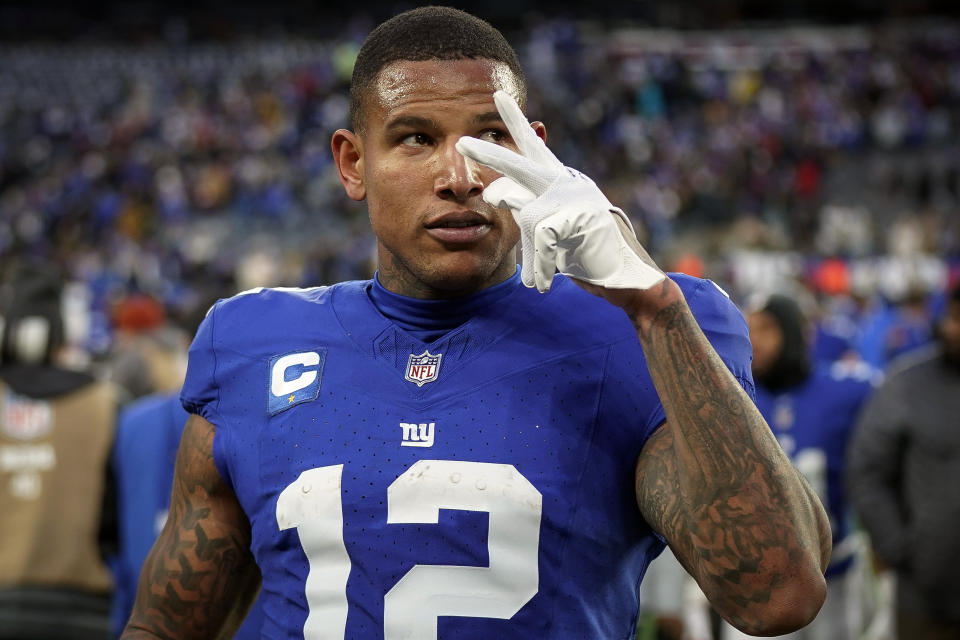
pixel 201 566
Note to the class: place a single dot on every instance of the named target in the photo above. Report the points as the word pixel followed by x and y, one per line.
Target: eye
pixel 496 136
pixel 417 140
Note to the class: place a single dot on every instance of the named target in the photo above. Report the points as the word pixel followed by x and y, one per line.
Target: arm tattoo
pixel 201 565
pixel 714 481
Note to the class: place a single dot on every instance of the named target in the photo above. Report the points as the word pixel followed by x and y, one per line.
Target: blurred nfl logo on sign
pixel 24 418
pixel 423 368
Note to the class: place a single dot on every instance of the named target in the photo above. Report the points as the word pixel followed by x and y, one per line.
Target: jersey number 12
pixel 312 504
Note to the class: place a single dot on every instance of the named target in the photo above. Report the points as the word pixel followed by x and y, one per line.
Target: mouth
pixel 459 227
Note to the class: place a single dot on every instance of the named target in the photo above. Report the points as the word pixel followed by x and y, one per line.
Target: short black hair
pixel 428 33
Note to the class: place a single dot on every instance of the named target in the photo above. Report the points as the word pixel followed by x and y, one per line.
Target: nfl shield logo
pixel 423 368
pixel 24 418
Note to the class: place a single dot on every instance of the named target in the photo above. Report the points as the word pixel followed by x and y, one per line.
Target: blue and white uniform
pixel 813 422
pixel 453 469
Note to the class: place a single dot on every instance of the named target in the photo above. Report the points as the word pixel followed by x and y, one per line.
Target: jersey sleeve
pixel 200 393
pixel 201 390
pixel 725 328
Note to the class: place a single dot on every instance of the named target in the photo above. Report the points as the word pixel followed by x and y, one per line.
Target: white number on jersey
pixel 313 505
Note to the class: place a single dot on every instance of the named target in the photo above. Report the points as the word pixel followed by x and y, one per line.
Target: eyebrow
pixel 412 122
pixel 419 122
pixel 489 116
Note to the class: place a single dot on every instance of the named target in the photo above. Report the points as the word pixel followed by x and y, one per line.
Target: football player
pixel 455 449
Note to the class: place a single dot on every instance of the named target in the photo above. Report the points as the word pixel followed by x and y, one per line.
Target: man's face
pixel 766 336
pixel 436 235
pixel 950 331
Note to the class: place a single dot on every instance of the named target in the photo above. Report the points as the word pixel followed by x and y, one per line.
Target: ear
pixel 348 156
pixel 540 129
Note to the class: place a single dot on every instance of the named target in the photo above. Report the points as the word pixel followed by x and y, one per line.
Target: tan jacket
pixel 53 453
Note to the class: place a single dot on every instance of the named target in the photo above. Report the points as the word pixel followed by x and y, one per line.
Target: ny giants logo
pixel 417 434
pixel 423 368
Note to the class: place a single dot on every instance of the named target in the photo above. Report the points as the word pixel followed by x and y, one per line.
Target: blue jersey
pixel 148 434
pixel 480 485
pixel 813 423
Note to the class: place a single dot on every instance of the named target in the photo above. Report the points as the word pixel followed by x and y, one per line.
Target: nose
pixel 458 177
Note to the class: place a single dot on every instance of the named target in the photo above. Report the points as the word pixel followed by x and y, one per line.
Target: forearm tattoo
pixel 716 483
pixel 200 566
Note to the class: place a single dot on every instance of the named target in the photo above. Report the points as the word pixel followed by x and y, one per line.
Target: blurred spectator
pixel 56 428
pixel 148 353
pixel 143 458
pixel 903 478
pixel 893 328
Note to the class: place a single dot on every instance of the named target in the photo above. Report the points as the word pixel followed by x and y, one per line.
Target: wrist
pixel 646 305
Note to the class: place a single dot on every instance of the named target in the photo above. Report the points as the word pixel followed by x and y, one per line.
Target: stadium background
pixel 162 155
pixel 181 150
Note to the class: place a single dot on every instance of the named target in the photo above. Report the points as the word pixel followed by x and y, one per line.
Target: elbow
pixel 791 606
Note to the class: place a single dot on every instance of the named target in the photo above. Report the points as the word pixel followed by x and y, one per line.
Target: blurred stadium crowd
pixel 193 170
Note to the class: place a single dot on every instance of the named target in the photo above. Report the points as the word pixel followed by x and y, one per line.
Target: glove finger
pixel 527 253
pixel 524 171
pixel 526 139
pixel 504 192
pixel 545 255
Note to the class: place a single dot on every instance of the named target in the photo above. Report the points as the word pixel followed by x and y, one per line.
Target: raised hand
pixel 566 223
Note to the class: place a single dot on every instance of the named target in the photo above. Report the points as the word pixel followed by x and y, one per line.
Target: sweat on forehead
pixel 401 81
pixel 404 79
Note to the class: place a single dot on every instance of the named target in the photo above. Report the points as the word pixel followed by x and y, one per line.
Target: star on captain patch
pixel 423 368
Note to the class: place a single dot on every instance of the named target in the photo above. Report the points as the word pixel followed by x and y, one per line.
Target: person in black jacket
pixel 904 481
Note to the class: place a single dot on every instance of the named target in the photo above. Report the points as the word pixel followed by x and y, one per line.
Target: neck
pixel 396 278
pixel 429 320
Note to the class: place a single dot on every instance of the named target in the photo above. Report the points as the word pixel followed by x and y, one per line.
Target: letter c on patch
pixel 280 386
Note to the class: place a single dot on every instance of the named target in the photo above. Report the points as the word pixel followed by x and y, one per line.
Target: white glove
pixel 565 220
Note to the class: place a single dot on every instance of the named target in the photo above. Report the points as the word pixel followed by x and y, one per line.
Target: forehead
pixel 406 85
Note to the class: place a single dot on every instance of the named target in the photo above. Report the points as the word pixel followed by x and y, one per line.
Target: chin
pixel 460 278
pixel 458 283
